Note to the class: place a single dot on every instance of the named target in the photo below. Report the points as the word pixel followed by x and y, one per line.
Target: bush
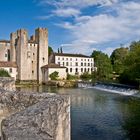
pixel 54 75
pixel 72 77
pixel 4 73
pixel 86 76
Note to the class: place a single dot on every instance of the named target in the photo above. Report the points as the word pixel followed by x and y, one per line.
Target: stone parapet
pixel 35 116
pixel 7 83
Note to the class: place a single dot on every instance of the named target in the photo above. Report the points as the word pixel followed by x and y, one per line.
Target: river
pixel 100 115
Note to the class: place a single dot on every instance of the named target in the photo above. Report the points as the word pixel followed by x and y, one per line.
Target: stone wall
pixel 7 83
pixel 35 116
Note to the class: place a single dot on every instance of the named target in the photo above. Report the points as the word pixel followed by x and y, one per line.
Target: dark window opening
pixel 8 55
pixel 66 69
pixel 10 70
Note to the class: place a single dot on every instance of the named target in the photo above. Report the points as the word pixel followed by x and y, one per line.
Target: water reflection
pixel 99 115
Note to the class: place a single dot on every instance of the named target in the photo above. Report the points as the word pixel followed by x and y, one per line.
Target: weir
pixel 110 87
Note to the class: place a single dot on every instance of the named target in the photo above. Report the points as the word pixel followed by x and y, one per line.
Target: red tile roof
pixel 8 64
pixel 71 55
pixel 5 41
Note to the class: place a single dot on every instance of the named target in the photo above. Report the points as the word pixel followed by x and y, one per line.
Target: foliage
pixel 86 76
pixel 117 59
pixel 54 75
pixel 50 50
pixel 103 64
pixel 131 74
pixel 4 73
pixel 72 77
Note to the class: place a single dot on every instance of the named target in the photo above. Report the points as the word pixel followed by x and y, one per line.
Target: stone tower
pixel 23 56
pixel 13 38
pixel 41 37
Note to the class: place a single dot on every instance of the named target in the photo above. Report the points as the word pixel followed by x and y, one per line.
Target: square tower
pixel 41 37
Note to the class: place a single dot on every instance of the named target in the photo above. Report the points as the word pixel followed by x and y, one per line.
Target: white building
pixel 76 64
pixel 50 68
pixel 10 67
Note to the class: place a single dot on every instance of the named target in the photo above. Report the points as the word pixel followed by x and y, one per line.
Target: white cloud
pixel 66 12
pixel 79 3
pixel 67 8
pixel 93 31
pixel 90 31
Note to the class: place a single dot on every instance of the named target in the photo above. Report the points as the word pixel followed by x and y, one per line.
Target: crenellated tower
pixel 13 43
pixel 23 55
pixel 41 37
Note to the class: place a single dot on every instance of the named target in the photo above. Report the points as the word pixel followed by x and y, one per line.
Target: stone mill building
pixel 24 54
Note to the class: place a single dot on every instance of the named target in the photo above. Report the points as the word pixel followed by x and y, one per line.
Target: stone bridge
pixel 34 116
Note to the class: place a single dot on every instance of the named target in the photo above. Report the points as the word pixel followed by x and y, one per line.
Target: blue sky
pixel 79 26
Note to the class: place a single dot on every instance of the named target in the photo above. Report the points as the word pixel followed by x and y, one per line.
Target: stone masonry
pixel 29 54
pixel 35 116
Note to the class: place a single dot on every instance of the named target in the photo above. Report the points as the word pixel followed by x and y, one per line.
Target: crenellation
pixel 29 54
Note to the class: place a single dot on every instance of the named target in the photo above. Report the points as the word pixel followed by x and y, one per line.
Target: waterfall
pixel 114 88
pixel 85 84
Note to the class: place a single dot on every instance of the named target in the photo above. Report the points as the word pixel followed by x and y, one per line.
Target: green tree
pixel 71 77
pixel 103 64
pixel 4 73
pixel 50 50
pixel 117 59
pixel 86 76
pixel 54 75
pixel 131 74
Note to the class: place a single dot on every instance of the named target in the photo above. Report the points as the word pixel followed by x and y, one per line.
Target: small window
pixel 10 70
pixel 85 64
pixel 76 59
pixel 58 58
pixel 59 63
pixel 6 55
pixel 81 59
pixel 63 64
pixel 70 59
pixel 81 64
pixel 85 69
pixel 32 72
pixel 66 69
pixel 67 63
pixel 70 69
pixel 88 64
pixel 76 64
pixel 76 70
pixel 62 58
pixel 28 54
pixel 66 58
pixel 81 69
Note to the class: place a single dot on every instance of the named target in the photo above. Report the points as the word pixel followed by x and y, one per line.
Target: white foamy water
pixel 110 88
pixel 122 91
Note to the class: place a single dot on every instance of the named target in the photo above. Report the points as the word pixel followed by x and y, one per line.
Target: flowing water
pixel 101 115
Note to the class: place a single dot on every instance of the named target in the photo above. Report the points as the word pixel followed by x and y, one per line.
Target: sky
pixel 78 26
